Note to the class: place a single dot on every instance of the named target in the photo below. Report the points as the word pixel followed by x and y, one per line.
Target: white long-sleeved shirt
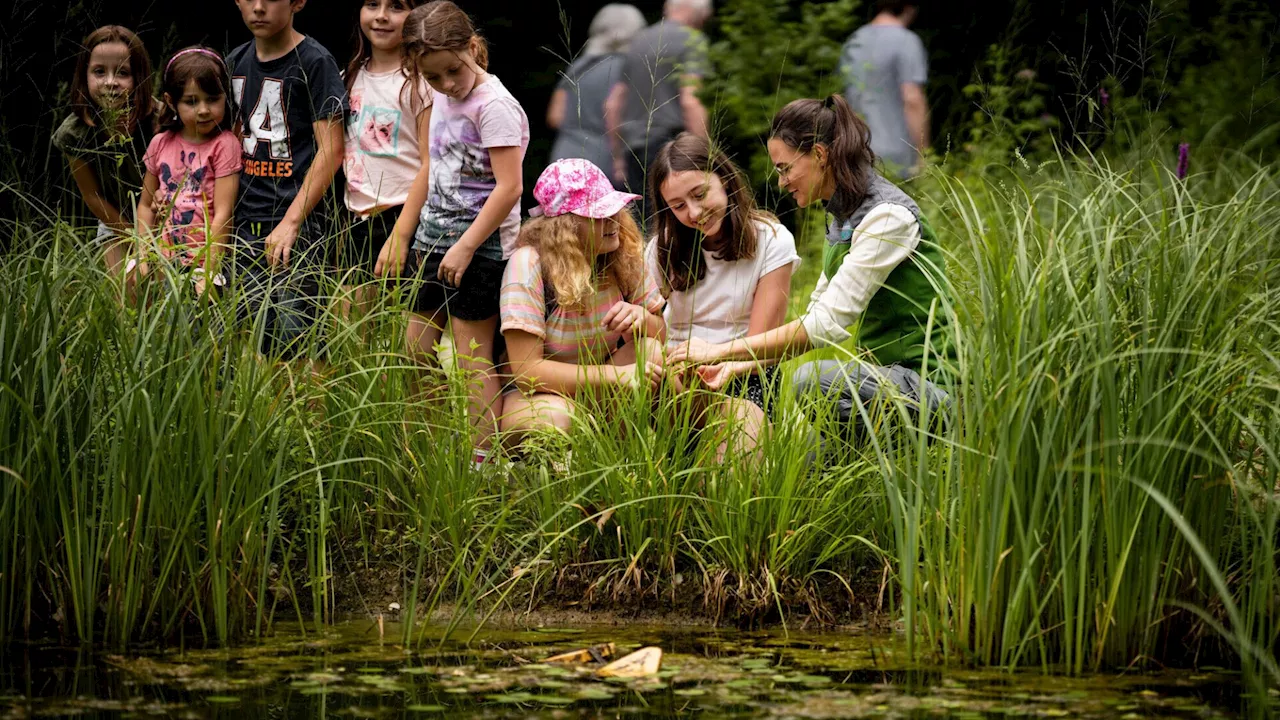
pixel 885 237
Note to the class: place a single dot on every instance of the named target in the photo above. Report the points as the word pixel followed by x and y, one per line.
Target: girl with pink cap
pixel 576 301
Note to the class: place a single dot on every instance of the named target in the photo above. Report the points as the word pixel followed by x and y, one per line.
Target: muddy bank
pixel 858 603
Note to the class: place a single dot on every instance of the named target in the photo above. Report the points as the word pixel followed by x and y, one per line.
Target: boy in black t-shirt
pixel 291 103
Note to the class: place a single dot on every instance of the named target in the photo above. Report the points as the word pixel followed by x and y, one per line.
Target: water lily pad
pixel 559 631
pixel 554 700
pixel 425 708
pixel 513 698
pixel 591 693
pixel 690 692
pixel 417 670
pixel 223 699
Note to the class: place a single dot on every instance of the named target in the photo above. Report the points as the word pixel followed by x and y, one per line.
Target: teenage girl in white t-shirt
pixel 388 119
pixel 725 268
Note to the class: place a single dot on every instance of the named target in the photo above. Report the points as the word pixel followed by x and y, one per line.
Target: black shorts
pixel 475 299
pixel 758 388
pixel 357 249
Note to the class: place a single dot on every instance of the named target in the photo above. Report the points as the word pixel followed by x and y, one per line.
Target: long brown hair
pixel 807 122
pixel 572 275
pixel 680 247
pixel 209 70
pixel 440 25
pixel 362 50
pixel 142 104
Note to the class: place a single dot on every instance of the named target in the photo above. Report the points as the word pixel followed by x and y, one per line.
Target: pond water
pixel 347 671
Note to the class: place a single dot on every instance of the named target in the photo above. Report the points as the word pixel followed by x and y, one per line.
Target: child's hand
pixel 624 317
pixel 637 374
pixel 391 257
pixel 454 264
pixel 280 244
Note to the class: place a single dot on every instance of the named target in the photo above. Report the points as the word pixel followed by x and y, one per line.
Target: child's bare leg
pixel 523 414
pixel 745 423
pixel 473 342
pixel 114 254
pixel 420 340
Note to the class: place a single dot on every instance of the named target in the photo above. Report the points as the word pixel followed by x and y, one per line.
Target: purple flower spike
pixel 1104 97
pixel 1184 159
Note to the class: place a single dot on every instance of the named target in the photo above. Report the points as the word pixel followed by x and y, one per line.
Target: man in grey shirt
pixel 885 68
pixel 657 96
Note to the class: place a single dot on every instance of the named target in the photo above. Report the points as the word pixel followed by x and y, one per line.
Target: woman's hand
pixel 696 352
pixel 454 265
pixel 624 317
pixel 718 376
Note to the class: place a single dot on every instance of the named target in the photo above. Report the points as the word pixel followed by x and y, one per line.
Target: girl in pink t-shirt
pixel 193 170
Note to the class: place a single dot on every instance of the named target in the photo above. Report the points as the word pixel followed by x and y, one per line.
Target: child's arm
pixel 328 159
pixel 535 373
pixel 146 204
pixel 396 248
pixel 507 170
pixel 91 190
pixel 225 190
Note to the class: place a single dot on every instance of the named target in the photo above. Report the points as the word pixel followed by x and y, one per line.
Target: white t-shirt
pixel 381 155
pixel 718 308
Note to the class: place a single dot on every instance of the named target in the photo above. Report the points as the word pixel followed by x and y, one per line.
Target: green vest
pixel 893 326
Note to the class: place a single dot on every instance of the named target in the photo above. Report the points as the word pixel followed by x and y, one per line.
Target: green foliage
pixel 1228 87
pixel 771 52
pixel 1009 118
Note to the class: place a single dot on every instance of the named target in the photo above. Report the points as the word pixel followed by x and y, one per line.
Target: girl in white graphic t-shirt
pixel 725 268
pixel 388 119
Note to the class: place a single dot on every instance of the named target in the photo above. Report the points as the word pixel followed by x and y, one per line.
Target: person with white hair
pixel 657 96
pixel 576 110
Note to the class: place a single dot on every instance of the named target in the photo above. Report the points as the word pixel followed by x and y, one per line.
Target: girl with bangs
pixel 576 301
pixel 193 171
pixel 111 123
pixel 725 268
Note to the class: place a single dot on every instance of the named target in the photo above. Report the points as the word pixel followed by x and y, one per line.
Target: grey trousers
pixel 854 385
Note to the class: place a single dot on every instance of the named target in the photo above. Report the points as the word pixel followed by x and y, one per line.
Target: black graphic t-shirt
pixel 279 100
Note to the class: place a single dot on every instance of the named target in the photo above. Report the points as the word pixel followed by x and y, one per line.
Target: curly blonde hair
pixel 561 243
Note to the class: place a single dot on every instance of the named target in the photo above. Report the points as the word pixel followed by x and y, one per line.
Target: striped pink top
pixel 571 336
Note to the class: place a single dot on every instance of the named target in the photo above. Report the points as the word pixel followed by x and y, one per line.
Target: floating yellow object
pixel 595 653
pixel 640 663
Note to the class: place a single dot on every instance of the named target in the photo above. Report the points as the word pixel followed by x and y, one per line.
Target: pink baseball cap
pixel 577 186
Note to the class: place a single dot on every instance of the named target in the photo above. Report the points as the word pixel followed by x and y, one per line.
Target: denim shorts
pixel 281 305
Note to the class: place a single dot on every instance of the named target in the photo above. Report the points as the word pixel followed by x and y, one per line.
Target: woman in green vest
pixel 883 276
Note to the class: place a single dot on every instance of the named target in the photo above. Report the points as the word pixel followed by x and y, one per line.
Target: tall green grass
pixel 1112 473
pixel 1104 493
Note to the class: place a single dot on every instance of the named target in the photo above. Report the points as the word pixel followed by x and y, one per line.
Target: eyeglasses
pixel 784 169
